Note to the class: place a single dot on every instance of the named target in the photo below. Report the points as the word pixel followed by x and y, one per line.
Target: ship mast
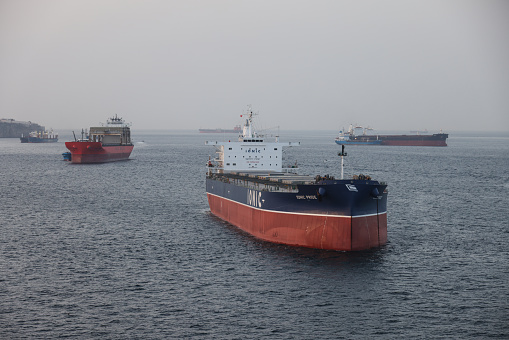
pixel 342 154
pixel 248 130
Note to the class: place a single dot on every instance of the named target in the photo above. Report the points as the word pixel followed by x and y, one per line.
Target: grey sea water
pixel 130 250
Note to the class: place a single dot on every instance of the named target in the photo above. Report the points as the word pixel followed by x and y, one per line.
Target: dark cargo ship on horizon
pixel 40 137
pixel 236 129
pixel 351 138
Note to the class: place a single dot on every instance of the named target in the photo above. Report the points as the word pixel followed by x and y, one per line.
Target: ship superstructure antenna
pixel 342 154
pixel 248 130
pixel 351 130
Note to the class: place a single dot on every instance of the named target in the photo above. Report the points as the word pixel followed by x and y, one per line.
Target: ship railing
pixel 294 169
pixel 211 169
pixel 254 182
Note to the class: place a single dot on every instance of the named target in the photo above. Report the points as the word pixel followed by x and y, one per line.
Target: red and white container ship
pixel 102 144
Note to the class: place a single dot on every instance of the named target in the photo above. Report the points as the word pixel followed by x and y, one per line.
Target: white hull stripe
pixel 295 213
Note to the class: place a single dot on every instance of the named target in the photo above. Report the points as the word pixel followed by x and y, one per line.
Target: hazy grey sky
pixel 393 65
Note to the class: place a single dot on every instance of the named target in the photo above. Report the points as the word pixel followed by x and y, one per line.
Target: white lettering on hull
pixel 254 198
pixel 351 187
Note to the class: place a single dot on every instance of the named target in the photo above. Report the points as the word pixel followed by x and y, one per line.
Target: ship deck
pixel 272 177
pixel 264 181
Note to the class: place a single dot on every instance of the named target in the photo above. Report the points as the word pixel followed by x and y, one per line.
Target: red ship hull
pixel 395 142
pixel 331 232
pixel 95 152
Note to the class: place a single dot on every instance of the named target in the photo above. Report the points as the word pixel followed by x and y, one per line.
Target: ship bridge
pixel 250 153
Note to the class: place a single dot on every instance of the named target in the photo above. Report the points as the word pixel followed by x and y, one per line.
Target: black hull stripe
pixel 296 213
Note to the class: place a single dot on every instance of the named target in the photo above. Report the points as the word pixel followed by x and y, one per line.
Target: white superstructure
pixel 117 122
pixel 250 153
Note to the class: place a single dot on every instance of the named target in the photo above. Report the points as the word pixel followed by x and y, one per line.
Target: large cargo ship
pixel 102 144
pixel 236 129
pixel 350 137
pixel 40 137
pixel 248 186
